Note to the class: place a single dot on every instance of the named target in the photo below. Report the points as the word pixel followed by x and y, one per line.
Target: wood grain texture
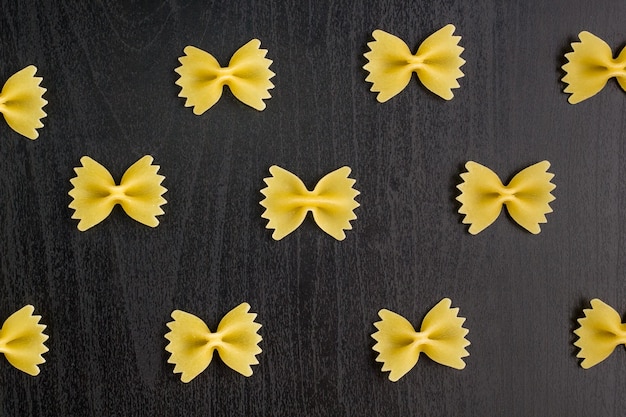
pixel 107 294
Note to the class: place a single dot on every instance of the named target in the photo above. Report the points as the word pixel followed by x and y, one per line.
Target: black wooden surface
pixel 106 294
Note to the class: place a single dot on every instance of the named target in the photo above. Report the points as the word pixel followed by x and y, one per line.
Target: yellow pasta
pixel 191 343
pixel 441 338
pixel 287 202
pixel 22 102
pixel 95 193
pixel 526 197
pixel 590 65
pixel 22 340
pixel 202 79
pixel 437 63
pixel 600 332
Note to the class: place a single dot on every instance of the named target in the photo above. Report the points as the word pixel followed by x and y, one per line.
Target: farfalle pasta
pixel 202 79
pixel 526 197
pixel 192 344
pixel 600 332
pixel 437 63
pixel 590 65
pixel 287 202
pixel 22 340
pixel 22 102
pixel 95 193
pixel 441 338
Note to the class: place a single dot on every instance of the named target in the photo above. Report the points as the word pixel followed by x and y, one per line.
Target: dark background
pixel 107 294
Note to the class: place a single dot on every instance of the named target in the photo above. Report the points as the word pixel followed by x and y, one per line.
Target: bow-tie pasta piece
pixel 526 198
pixel 437 63
pixel 192 343
pixel 202 79
pixel 590 66
pixel 95 193
pixel 600 332
pixel 22 340
pixel 441 338
pixel 22 102
pixel 287 201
